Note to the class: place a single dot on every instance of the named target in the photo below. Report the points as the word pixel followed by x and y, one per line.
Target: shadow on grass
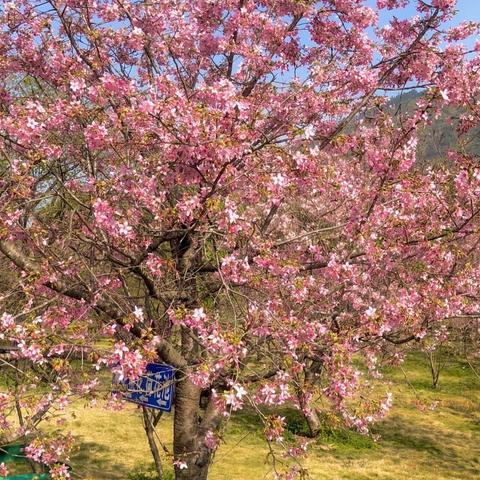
pixel 244 421
pixel 342 440
pixel 249 420
pixel 395 430
pixel 90 461
pixel 444 452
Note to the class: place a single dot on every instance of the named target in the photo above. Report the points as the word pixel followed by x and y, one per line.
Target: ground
pixel 415 442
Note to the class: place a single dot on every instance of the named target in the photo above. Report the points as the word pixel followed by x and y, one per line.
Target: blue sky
pixel 467 10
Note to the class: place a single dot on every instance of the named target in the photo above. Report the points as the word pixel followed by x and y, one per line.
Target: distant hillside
pixel 435 140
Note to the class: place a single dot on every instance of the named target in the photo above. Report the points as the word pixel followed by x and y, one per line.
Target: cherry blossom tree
pixel 222 186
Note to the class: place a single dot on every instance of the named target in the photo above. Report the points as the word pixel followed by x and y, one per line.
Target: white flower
pixel 124 228
pixel 138 313
pixel 180 465
pixel 77 85
pixel 240 392
pixel 309 132
pixel 279 180
pixel 31 123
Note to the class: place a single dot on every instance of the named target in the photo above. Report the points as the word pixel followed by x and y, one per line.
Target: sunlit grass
pixel 415 442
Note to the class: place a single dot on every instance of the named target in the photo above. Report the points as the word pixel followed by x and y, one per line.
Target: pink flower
pixel 234 398
pixel 77 85
pixel 96 135
pixel 6 321
pixel 125 363
pixel 60 472
pixel 3 470
pixel 211 441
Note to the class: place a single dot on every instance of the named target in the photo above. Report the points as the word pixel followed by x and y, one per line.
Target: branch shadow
pixel 440 450
pixel 90 461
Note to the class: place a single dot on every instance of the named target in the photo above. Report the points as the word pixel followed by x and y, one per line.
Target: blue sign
pixel 154 389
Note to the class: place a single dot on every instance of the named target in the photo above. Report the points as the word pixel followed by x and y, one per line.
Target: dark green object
pixel 14 454
pixel 29 476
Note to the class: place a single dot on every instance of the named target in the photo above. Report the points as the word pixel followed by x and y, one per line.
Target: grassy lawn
pixel 416 443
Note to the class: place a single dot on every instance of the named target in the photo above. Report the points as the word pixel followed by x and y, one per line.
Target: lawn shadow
pixel 90 459
pixel 248 419
pixel 398 431
pixel 443 451
pixel 244 421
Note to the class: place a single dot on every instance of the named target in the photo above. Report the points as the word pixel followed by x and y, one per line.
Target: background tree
pixel 220 186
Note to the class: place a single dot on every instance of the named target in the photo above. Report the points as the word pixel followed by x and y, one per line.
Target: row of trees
pixel 221 186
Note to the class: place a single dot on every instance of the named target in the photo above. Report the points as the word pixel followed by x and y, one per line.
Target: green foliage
pixel 149 473
pixel 331 434
pixel 295 424
pixel 344 440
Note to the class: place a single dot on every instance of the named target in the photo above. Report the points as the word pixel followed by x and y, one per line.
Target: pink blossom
pixel 195 183
pixel 77 85
pixel 96 135
pixel 3 470
pixel 60 472
pixel 211 441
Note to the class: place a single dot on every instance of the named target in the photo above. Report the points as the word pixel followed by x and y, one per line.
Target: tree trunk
pixel 191 421
pixel 192 472
pixel 313 422
pixel 309 411
pixel 188 437
pixel 434 368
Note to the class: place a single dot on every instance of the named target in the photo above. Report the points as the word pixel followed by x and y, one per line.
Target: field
pixel 415 441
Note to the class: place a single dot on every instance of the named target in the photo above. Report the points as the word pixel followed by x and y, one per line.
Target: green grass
pixel 415 442
pixel 149 472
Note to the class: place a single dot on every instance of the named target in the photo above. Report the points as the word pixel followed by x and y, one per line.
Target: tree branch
pixel 165 349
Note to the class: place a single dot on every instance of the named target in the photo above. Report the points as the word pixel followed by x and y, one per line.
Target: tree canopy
pixel 221 186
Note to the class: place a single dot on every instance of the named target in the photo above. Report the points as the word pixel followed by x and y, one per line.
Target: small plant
pixel 149 473
pixel 344 438
pixel 295 423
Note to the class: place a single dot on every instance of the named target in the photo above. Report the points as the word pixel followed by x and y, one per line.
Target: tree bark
pixel 188 438
pixel 310 413
pixel 313 422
